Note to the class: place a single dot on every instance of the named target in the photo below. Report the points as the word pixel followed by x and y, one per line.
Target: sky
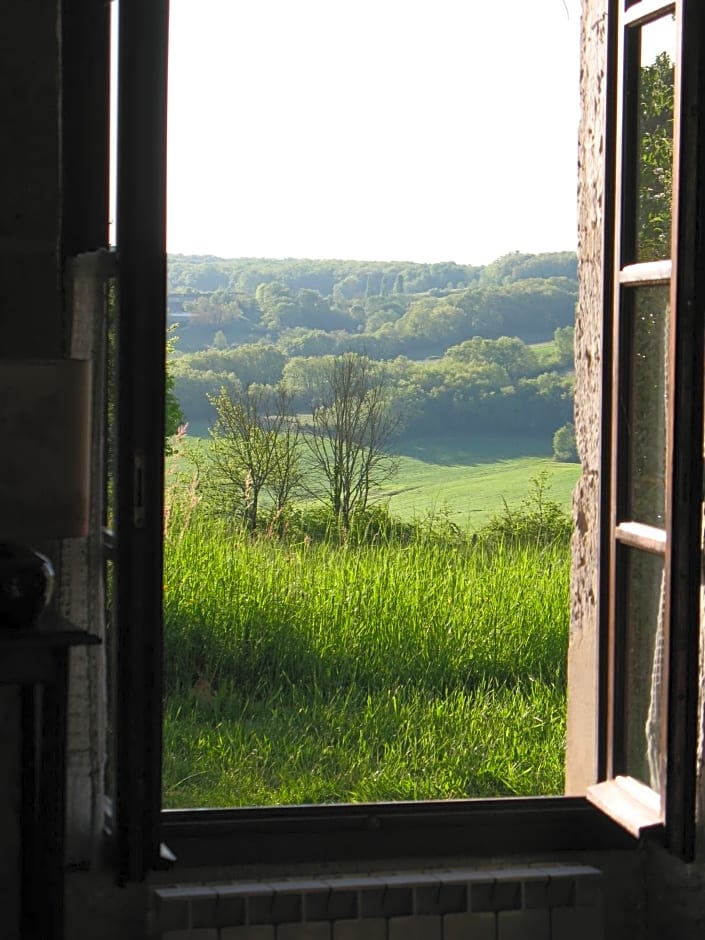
pixel 374 129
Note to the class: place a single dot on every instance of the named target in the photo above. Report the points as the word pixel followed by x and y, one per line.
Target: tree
pixel 254 448
pixel 655 169
pixel 564 338
pixel 173 415
pixel 219 340
pixel 352 425
pixel 564 445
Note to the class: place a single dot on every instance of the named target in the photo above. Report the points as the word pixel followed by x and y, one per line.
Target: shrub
pixel 537 520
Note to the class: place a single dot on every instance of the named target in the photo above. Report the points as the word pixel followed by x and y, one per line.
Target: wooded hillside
pixel 472 348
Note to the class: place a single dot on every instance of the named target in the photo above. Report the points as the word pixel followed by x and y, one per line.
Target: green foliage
pixel 310 671
pixel 253 453
pixel 264 299
pixel 655 178
pixel 349 437
pixel 564 339
pixel 516 266
pixel 538 520
pixel 174 416
pixel 458 356
pixel 564 444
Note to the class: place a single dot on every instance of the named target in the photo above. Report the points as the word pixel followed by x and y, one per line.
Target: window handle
pixel 138 504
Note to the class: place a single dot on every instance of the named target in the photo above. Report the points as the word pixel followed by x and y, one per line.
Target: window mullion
pixel 647 538
pixel 648 272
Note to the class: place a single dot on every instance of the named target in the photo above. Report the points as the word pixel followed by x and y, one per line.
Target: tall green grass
pixel 315 671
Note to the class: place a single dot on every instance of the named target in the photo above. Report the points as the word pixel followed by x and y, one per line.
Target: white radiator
pixel 550 902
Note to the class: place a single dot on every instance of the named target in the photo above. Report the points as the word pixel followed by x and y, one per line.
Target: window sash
pixel 637 807
pixel 141 328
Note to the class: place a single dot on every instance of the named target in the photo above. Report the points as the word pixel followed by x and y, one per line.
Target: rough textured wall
pixel 582 659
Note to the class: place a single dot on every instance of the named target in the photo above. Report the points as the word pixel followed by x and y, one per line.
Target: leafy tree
pixel 195 387
pixel 564 338
pixel 515 357
pixel 655 177
pixel 278 305
pixel 174 416
pixel 254 449
pixel 216 308
pixel 564 445
pixel 352 425
pixel 220 340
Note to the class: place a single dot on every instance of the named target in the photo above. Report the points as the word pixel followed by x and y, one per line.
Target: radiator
pixel 549 902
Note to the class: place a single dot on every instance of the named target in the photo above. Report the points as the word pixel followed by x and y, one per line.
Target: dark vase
pixel 26 583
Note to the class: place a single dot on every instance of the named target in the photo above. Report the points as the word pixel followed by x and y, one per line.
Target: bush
pixel 537 520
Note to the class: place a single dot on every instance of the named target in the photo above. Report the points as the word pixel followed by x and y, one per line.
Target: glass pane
pixel 654 139
pixel 643 612
pixel 646 310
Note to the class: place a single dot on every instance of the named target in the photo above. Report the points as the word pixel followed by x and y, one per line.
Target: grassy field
pixel 469 481
pixel 315 672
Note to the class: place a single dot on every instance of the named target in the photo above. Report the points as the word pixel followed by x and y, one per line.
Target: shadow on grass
pixel 469 450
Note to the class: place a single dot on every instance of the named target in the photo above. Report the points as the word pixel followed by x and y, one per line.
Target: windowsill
pixel 629 803
pixel 331 834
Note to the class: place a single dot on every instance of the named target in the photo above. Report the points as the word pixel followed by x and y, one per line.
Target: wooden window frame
pixel 671 812
pixel 372 832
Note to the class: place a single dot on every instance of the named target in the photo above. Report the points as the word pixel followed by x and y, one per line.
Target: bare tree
pixel 352 425
pixel 254 448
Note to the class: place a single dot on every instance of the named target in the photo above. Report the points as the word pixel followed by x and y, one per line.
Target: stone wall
pixel 582 660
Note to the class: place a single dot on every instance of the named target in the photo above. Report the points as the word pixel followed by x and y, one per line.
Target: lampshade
pixel 44 448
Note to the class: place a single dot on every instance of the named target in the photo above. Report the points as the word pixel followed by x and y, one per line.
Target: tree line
pixel 456 344
pixel 381 310
pixel 500 386
pixel 208 273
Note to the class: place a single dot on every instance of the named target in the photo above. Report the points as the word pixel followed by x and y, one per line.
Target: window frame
pixel 330 834
pixel 671 812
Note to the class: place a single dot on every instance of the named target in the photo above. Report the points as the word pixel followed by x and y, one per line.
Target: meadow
pixel 423 662
pixel 470 481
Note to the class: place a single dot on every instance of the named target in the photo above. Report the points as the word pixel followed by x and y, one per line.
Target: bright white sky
pixel 373 129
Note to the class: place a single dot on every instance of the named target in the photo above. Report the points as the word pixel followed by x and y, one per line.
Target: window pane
pixel 646 311
pixel 644 611
pixel 654 139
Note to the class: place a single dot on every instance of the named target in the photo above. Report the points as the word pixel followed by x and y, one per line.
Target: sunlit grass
pixel 320 672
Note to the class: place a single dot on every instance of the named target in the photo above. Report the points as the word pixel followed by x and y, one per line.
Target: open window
pixel 650 527
pixel 651 507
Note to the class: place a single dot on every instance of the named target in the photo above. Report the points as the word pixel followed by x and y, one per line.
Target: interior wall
pixel 31 321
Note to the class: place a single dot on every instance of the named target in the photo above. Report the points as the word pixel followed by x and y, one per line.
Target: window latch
pixel 138 503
